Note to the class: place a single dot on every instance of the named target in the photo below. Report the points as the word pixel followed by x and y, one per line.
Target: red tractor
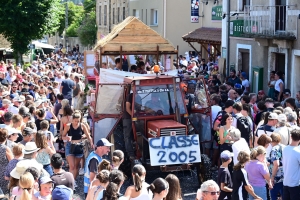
pixel 170 119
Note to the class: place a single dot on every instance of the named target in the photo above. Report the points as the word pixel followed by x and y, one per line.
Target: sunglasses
pixel 213 193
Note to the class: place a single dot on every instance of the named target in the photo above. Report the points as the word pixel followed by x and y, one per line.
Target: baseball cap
pixel 61 192
pixel 269 100
pixel 287 91
pixel 104 142
pixel 282 118
pixel 238 86
pixel 45 179
pixel 11 131
pixel 19 98
pixel 38 103
pixel 226 155
pixel 261 92
pixel 5 94
pixel 6 101
pixel 244 74
pixel 273 116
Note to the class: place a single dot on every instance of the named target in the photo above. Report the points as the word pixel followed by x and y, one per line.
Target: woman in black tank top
pixel 73 132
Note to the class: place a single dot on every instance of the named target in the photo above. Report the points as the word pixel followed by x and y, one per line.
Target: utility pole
pixel 66 23
pixel 227 39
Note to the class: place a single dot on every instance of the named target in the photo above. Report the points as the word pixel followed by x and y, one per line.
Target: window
pixel 142 15
pixel 114 16
pixel 154 17
pixel 100 15
pixel 118 15
pixel 135 13
pixel 244 4
pixel 124 14
pixel 105 15
pixel 146 22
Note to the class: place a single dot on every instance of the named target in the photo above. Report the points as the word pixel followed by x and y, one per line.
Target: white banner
pixel 173 150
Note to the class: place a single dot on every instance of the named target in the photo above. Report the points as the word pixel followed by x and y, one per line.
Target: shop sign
pixel 239 27
pixel 217 13
pixel 195 11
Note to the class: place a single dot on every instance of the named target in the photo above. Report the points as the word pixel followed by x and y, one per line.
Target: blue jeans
pixel 277 188
pixel 259 191
pixel 48 168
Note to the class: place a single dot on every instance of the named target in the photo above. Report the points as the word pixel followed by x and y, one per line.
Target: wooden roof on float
pixel 132 35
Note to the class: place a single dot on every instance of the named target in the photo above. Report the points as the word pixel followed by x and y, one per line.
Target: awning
pixel 204 35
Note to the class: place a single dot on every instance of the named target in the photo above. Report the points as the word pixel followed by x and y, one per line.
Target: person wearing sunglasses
pixel 209 190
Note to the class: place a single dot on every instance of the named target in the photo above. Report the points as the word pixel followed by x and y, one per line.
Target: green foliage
pixel 72 30
pixel 87 32
pixel 25 20
pixel 75 16
pixel 89 6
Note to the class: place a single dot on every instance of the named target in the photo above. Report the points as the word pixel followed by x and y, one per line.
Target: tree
pixel 87 31
pixel 89 6
pixel 75 16
pixel 22 21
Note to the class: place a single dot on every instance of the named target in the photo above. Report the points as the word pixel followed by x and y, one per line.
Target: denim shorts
pixel 67 151
pixel 259 191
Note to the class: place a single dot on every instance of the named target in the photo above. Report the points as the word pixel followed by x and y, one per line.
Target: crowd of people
pixel 254 146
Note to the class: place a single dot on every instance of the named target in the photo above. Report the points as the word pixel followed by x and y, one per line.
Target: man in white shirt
pixel 291 167
pixel 245 82
pixel 10 76
pixel 239 144
pixel 17 101
pixel 59 78
pixel 184 62
pixel 215 108
pixel 68 67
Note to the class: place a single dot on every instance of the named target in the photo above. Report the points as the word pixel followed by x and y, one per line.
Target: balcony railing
pixel 270 22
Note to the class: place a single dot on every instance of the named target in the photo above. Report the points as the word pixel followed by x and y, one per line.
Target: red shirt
pixel 3 68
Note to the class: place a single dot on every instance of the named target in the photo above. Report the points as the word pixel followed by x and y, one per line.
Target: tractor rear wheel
pixel 119 144
pixel 204 169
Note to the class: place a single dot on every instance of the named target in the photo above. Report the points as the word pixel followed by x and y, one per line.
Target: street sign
pixel 217 13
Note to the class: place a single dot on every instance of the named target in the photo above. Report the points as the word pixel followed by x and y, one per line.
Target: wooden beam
pixel 216 48
pixel 202 45
pixel 194 48
pixel 128 47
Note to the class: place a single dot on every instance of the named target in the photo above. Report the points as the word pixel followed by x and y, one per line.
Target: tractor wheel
pixel 119 144
pixel 204 169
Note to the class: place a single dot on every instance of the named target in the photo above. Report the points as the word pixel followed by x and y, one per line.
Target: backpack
pixel 215 134
pixel 245 128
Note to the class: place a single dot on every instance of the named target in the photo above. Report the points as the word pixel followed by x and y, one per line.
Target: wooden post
pixel 121 59
pixel 100 59
pixel 177 57
pixel 157 55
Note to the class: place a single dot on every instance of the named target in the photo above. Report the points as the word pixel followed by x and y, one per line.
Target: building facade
pixel 170 18
pixel 110 13
pixel 264 38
